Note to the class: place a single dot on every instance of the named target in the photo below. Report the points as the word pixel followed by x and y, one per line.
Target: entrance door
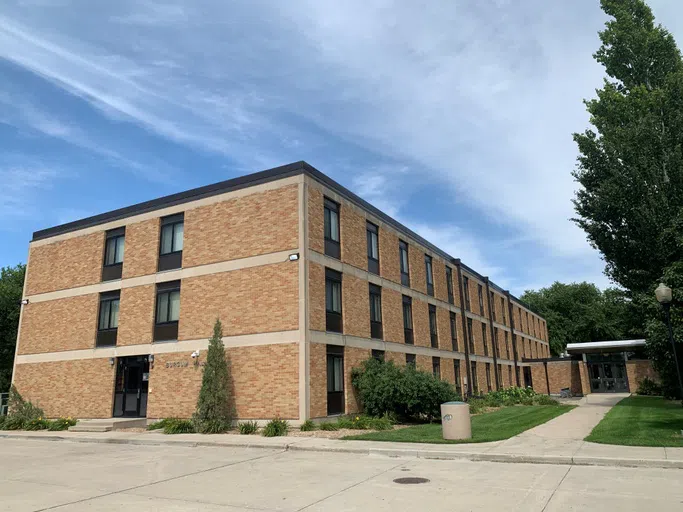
pixel 335 380
pixel 132 382
pixel 608 377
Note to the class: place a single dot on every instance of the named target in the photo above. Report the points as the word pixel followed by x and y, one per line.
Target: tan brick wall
pixel 389 264
pixel 538 378
pixel 481 373
pixel 583 375
pixel 443 324
pixel 447 372
pixel 355 306
pixel 456 287
pixel 439 274
pixel 423 363
pixel 77 389
pixel 416 260
pixel 354 244
pixel 636 371
pixel 136 317
pixel 173 392
pixel 316 296
pixel 141 253
pixel 392 315
pixel 421 335
pixel 65 264
pixel 251 300
pixel 316 220
pixel 318 380
pixel 57 325
pixel 398 358
pixel 260 223
pixel 353 357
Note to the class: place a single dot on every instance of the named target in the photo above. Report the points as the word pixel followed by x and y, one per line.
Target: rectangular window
pixel 502 308
pixel 378 354
pixel 480 291
pixel 167 311
pixel 112 267
pixel 333 300
pixel 108 321
pixel 466 286
pixel 456 372
pixel 488 376
pixel 454 332
pixel 375 311
pixel 408 320
pixel 475 378
pixel 470 335
pixel 332 238
pixel 500 375
pixel 493 306
pixel 436 367
pixel 496 351
pixel 410 360
pixel 372 232
pixel 507 345
pixel 171 242
pixel 510 376
pixel 430 275
pixel 403 259
pixel 432 326
pixel 335 380
pixel 449 285
pixel 484 339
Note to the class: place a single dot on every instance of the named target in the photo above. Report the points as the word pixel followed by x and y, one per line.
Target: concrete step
pixel 85 427
pixel 107 425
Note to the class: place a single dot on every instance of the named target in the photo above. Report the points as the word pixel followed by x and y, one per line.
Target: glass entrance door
pixel 131 387
pixel 335 380
pixel 608 377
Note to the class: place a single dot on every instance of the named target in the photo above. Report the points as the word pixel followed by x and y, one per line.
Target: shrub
pixel 307 426
pixel 2 422
pixel 544 400
pixel 176 426
pixel 36 424
pixel 410 394
pixel 61 424
pixel 383 423
pixel 649 387
pixel 157 425
pixel 356 422
pixel 276 428
pixel 214 413
pixel 329 426
pixel 21 409
pixel 248 427
pixel 14 423
pixel 477 405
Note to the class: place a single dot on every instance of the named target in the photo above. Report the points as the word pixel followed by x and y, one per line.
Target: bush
pixel 14 423
pixel 363 422
pixel 383 423
pixel 21 409
pixel 61 424
pixel 176 426
pixel 276 428
pixel 307 426
pixel 329 426
pixel 36 424
pixel 157 425
pixel 248 427
pixel 649 387
pixel 544 400
pixel 2 422
pixel 410 394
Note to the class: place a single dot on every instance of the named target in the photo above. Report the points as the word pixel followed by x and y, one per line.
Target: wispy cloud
pixel 20 185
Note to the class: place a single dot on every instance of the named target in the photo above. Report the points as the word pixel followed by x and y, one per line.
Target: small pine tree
pixel 214 412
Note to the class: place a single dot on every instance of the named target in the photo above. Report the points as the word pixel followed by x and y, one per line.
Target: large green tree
pixel 11 289
pixel 580 312
pixel 630 167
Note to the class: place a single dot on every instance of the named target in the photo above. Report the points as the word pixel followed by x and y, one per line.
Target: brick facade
pixel 141 254
pixel 136 316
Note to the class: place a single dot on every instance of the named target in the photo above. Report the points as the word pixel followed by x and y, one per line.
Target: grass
pixel 641 421
pixel 492 426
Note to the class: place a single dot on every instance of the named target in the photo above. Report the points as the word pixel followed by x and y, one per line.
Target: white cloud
pixel 20 186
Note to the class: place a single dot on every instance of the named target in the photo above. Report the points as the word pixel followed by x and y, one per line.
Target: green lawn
pixel 641 421
pixel 492 426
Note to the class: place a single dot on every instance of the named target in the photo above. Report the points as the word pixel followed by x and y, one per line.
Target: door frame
pixel 123 388
pixel 619 384
pixel 335 397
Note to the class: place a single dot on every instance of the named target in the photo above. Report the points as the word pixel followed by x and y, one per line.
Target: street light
pixel 664 297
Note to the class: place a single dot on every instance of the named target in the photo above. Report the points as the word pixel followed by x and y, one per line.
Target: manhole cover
pixel 411 480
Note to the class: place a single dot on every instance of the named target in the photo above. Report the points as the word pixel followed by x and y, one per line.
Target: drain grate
pixel 411 480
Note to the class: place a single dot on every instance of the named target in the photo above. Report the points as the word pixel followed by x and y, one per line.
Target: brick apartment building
pixel 308 279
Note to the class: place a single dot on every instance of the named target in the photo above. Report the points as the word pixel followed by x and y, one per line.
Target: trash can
pixel 455 420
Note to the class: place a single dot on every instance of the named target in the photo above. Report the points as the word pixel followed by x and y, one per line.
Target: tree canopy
pixel 11 289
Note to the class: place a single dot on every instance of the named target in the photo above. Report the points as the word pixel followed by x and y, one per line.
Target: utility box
pixel 455 420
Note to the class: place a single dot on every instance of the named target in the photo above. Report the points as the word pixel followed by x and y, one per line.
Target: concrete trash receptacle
pixel 455 420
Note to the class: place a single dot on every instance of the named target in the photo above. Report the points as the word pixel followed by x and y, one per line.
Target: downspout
pixel 464 328
pixel 514 337
pixel 547 380
pixel 495 340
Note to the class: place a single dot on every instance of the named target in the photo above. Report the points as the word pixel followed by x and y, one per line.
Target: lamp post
pixel 664 297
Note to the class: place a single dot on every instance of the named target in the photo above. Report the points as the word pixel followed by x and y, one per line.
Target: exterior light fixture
pixel 24 302
pixel 663 294
pixel 294 257
pixel 151 358
pixel 111 361
pixel 664 297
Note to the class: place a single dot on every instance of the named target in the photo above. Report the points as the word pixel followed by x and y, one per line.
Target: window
pixel 480 292
pixel 373 247
pixel 113 254
pixel 502 308
pixel 333 301
pixel 432 326
pixel 449 285
pixel 500 375
pixel 430 275
pixel 466 286
pixel 403 259
pixel 108 322
pixel 493 306
pixel 167 311
pixel 436 367
pixel 510 376
pixel 495 342
pixel 507 345
pixel 454 332
pixel 410 360
pixel 332 247
pixel 335 380
pixel 470 335
pixel 378 354
pixel 171 242
pixel 408 320
pixel 488 376
pixel 475 378
pixel 484 338
pixel 456 372
pixel 375 311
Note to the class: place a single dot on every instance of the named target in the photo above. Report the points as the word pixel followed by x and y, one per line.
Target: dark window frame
pixel 333 319
pixel 492 298
pixel 487 370
pixel 436 367
pixel 474 385
pixel 502 307
pixel 457 376
pixel 433 327
pixel 174 259
pixel 411 360
pixel 106 337
pixel 480 292
pixel 466 291
pixel 449 285
pixel 332 246
pixel 496 351
pixel 112 271
pixel 375 297
pixel 454 331
pixel 167 330
pixel 470 335
pixel 370 230
pixel 507 345
pixel 484 338
pixel 378 354
pixel 405 272
pixel 408 336
pixel 429 274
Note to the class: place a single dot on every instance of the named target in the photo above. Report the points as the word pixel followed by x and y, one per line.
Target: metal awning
pixel 604 346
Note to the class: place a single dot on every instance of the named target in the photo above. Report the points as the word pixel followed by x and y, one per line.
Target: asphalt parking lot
pixel 45 475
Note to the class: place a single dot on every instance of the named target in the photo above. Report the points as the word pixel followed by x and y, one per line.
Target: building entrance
pixel 130 389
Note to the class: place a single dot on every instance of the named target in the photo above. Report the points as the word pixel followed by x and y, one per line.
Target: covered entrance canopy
pixel 606 362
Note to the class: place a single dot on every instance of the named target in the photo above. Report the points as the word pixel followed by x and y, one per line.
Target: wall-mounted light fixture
pixel 151 358
pixel 111 361
pixel 294 257
pixel 24 302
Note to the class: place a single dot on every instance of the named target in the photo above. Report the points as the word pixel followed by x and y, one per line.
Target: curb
pixel 566 460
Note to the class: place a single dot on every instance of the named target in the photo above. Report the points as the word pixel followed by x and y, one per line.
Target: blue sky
pixel 454 117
